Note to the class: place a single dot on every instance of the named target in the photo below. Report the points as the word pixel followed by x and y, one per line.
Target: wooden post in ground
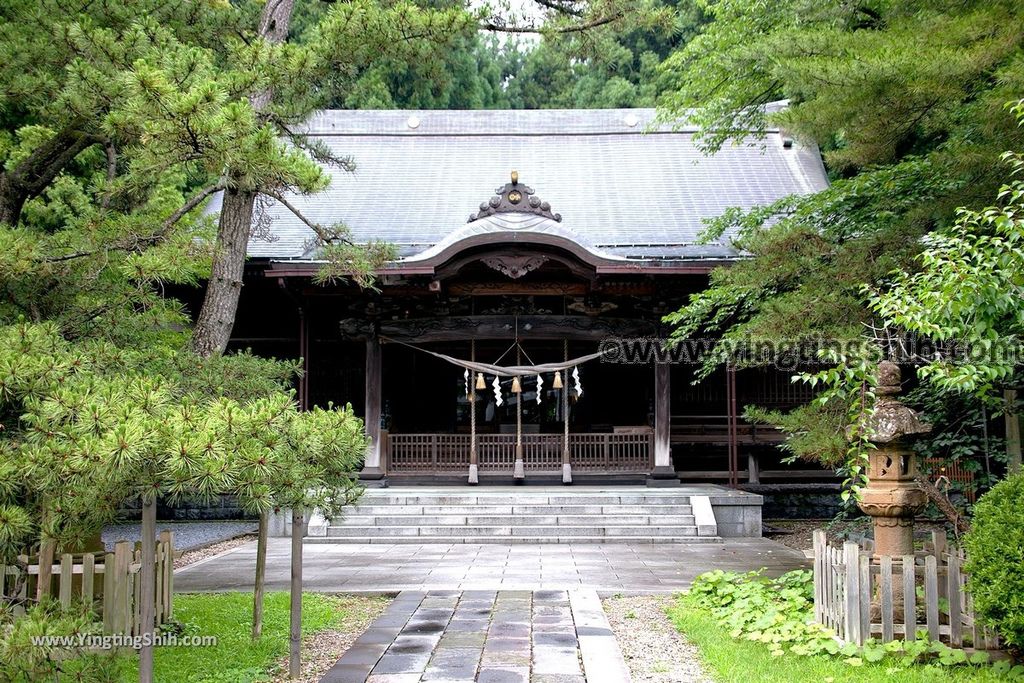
pixel 147 593
pixel 295 636
pixel 261 572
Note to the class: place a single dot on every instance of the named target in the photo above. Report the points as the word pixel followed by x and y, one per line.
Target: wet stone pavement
pixel 488 636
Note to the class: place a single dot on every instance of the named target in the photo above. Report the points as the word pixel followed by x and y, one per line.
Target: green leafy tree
pixel 906 101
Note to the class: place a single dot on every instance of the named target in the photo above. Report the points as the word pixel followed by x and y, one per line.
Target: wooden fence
pixel 888 598
pixel 110 582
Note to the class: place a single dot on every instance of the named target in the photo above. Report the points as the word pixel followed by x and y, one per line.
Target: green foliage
pixel 731 661
pixel 962 434
pixel 779 614
pixel 25 659
pixel 906 100
pixel 995 551
pixel 90 426
pixel 967 292
pixel 614 66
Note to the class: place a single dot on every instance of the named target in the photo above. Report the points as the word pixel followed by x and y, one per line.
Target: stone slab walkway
pixel 488 636
pixel 607 568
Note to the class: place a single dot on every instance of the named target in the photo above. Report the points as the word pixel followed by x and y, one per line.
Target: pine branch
pixel 497 27
pixel 322 233
pixel 137 244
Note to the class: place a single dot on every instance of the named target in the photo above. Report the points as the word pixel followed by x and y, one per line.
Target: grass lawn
pixel 228 616
pixel 727 660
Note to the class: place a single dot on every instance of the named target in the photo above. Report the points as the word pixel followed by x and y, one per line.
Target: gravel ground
pixel 192 556
pixel 187 535
pixel 654 650
pixel 797 533
pixel 321 650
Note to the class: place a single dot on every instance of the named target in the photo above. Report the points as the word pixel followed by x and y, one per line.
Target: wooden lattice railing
pixel 597 452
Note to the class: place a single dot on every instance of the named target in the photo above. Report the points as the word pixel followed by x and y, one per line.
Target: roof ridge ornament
pixel 515 197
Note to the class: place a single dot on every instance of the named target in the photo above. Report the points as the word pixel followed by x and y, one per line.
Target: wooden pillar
pixel 664 471
pixel 733 421
pixel 474 475
pixel 304 355
pixel 372 464
pixel 564 397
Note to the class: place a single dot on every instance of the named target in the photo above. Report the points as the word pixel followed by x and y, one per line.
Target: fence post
pixel 909 599
pixel 885 583
pixel 122 598
pixel 931 596
pixel 43 578
pixel 851 593
pixel 67 573
pixel 168 576
pixel 819 540
pixel 955 596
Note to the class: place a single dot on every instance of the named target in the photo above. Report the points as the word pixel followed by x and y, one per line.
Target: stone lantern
pixel 892 498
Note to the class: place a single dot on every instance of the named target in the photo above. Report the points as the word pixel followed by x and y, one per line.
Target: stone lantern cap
pixel 891 420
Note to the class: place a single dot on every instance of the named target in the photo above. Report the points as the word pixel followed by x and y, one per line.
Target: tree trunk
pixel 35 173
pixel 261 572
pixel 147 592
pixel 295 631
pixel 217 316
pixel 947 509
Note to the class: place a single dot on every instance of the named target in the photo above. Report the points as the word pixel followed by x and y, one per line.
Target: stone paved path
pixel 608 568
pixel 487 636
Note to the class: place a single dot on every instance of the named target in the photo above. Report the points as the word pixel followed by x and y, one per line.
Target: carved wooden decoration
pixel 515 197
pixel 513 265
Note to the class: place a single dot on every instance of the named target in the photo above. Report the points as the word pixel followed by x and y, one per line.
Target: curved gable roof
pixel 624 187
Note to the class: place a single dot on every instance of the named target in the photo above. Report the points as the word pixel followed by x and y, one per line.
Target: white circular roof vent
pixel 631 120
pixel 413 122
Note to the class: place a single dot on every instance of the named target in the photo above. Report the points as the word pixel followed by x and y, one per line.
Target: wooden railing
pixel 860 597
pixel 111 582
pixel 598 452
pixel 714 429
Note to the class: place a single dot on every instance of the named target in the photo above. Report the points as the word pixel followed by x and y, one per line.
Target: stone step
pixel 509 531
pixel 513 520
pixel 374 509
pixel 526 498
pixel 509 540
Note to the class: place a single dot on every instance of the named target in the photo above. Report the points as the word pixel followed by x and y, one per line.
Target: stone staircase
pixel 521 515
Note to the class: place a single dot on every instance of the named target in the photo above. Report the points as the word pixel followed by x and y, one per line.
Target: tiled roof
pixel 628 190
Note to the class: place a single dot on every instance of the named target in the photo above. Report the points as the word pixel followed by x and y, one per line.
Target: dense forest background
pixel 606 67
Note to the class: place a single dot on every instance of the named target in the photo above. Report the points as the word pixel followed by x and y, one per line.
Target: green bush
pixel 995 551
